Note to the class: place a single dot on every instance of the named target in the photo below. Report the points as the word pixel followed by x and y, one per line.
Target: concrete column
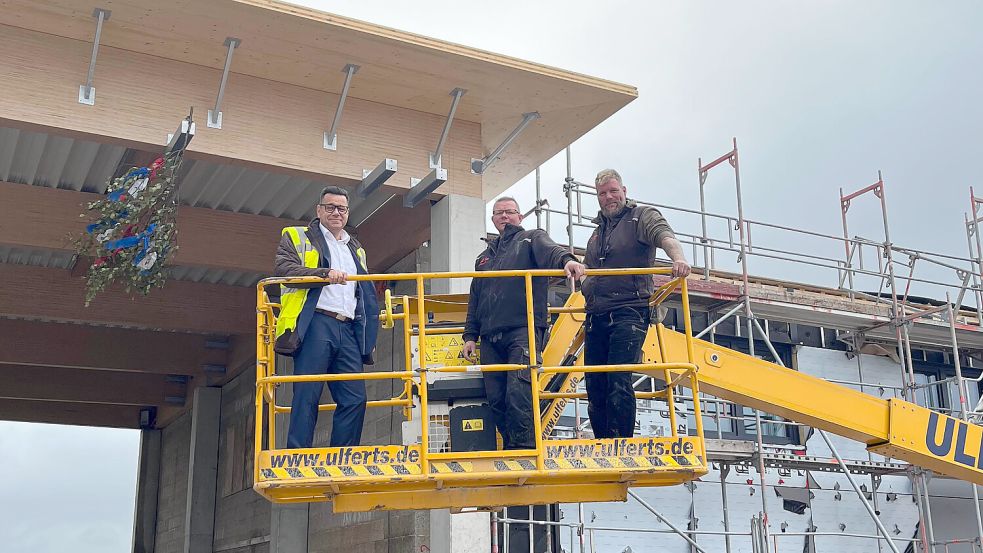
pixel 148 484
pixel 289 527
pixel 457 225
pixel 459 532
pixel 199 523
pixel 289 524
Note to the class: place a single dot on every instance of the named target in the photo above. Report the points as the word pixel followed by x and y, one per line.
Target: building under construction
pixel 799 410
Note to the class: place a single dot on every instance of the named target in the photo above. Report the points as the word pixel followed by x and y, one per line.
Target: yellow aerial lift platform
pixel 412 476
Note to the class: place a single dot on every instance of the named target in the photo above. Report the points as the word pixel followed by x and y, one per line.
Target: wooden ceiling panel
pixel 307 48
pixel 302 46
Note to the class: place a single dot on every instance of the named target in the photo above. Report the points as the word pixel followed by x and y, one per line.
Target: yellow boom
pixel 892 428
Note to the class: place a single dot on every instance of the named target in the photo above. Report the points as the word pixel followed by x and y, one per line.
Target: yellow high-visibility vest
pixel 292 299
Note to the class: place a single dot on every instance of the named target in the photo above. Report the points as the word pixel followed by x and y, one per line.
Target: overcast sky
pixel 820 95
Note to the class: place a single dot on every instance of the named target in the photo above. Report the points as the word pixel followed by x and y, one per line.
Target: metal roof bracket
pixel 435 155
pixel 215 115
pixel 419 188
pixel 331 136
pixel 374 179
pixel 478 166
pixel 87 92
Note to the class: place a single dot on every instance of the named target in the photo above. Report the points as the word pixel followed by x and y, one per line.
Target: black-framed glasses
pixel 498 212
pixel 331 208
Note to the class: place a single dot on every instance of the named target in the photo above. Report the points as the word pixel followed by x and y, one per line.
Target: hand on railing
pixel 680 269
pixel 575 269
pixel 335 276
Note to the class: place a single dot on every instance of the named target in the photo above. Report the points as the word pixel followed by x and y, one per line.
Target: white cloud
pixel 66 488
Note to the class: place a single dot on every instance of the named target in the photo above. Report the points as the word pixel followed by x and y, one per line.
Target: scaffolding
pixel 895 317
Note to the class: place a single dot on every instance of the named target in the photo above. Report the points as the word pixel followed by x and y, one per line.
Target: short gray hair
pixel 508 199
pixel 606 175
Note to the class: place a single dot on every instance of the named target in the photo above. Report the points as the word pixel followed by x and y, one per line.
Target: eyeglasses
pixel 331 208
pixel 498 212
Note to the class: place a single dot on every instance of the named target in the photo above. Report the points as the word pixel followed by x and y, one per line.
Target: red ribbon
pixel 155 166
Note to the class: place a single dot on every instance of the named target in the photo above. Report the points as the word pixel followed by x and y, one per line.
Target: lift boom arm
pixel 890 427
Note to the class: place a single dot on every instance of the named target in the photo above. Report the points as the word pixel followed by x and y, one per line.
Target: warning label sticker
pixel 472 425
pixel 445 350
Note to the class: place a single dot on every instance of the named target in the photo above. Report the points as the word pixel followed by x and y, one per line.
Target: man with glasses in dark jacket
pixel 497 314
pixel 627 235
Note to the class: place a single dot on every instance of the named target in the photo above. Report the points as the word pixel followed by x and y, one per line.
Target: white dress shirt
pixel 339 298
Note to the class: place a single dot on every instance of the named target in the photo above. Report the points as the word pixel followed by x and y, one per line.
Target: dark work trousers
pixel 510 392
pixel 329 347
pixel 615 337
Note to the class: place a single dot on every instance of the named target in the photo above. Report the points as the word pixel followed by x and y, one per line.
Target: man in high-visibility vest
pixel 327 329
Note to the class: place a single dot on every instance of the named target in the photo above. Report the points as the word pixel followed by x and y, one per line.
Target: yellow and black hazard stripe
pixel 340 472
pixel 633 462
pixel 515 464
pixel 395 470
pixel 439 467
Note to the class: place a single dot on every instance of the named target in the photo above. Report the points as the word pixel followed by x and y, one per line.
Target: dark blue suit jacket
pixel 367 305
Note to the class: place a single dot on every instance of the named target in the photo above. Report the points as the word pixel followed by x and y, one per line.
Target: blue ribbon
pixel 130 241
pixel 133 174
pixel 141 172
pixel 123 243
pixel 145 239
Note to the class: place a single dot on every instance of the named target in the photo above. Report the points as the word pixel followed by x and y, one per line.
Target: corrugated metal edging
pixel 41 159
pixel 35 257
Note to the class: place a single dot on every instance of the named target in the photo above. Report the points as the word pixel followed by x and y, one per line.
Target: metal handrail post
pixel 533 376
pixel 964 410
pixel 424 415
pixel 973 228
pixel 703 217
pixel 724 471
pixel 568 189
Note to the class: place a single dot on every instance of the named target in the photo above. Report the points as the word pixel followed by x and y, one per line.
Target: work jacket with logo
pixel 499 304
pixel 303 252
pixel 628 239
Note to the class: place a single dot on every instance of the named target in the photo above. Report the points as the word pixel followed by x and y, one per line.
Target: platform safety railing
pixel 412 311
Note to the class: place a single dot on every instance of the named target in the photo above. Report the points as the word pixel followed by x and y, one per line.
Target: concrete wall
pixel 457 225
pixel 373 532
pixel 173 492
pixel 242 517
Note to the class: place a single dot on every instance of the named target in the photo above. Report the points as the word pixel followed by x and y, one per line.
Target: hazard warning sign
pixel 446 350
pixel 472 425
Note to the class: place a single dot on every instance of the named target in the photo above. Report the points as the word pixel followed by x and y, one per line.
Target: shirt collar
pixel 345 238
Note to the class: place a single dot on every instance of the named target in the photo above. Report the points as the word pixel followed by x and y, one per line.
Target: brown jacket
pixel 629 239
pixel 288 264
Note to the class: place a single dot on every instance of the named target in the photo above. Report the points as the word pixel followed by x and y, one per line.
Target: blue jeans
pixel 329 347
pixel 615 337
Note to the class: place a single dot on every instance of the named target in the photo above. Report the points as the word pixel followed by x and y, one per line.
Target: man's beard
pixel 614 210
